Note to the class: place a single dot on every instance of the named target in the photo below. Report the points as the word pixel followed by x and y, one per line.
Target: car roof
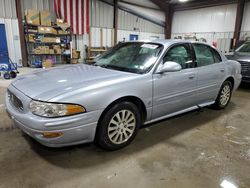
pixel 169 42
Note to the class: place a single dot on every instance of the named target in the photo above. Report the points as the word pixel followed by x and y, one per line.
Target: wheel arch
pixel 133 99
pixel 230 79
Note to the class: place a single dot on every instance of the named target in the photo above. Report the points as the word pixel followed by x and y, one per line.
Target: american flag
pixel 74 12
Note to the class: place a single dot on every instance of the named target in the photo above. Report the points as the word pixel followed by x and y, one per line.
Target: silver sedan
pixel 133 84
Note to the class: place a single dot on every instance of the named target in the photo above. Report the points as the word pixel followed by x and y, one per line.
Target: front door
pixel 175 91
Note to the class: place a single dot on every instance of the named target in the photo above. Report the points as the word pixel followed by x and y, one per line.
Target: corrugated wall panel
pixel 212 19
pixel 101 14
pixel 124 34
pixel 8 9
pixel 37 4
pixel 246 18
pixel 13 39
pixel 128 21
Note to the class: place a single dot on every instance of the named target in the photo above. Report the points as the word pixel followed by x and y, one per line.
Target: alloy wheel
pixel 225 95
pixel 121 126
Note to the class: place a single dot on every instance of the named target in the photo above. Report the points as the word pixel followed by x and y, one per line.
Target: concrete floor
pixel 197 149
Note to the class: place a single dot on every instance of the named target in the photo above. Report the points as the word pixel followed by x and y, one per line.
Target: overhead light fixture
pixel 182 1
pixel 227 184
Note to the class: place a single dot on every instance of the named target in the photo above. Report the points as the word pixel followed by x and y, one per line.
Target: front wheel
pixel 119 126
pixel 224 95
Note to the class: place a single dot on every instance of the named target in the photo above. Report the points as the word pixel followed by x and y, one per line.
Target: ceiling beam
pixel 201 4
pixel 161 4
pixel 138 5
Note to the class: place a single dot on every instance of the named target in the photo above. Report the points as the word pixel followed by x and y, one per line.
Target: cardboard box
pixel 46 49
pixel 74 61
pixel 30 38
pixel 37 51
pixel 47 63
pixel 32 16
pixel 49 30
pixel 51 39
pixel 62 32
pixel 41 29
pixel 51 51
pixel 45 17
pixel 32 30
pixel 58 51
pixel 75 54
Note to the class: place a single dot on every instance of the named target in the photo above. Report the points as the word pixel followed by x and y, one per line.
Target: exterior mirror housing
pixel 169 66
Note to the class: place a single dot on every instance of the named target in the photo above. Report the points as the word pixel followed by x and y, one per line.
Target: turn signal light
pixel 52 134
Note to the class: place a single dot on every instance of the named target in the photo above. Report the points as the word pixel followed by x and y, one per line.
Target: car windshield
pixel 131 57
pixel 244 48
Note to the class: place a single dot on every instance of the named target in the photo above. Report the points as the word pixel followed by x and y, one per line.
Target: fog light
pixel 51 134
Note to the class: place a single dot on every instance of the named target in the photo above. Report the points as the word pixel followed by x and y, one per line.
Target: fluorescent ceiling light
pixel 182 1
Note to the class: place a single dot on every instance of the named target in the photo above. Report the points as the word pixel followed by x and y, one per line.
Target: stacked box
pixel 32 16
pixel 45 17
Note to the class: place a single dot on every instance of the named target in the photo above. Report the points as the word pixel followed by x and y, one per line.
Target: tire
pixel 224 96
pixel 112 133
pixel 6 75
pixel 12 74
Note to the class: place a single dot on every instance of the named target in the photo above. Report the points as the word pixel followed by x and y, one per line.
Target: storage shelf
pixel 54 26
pixel 48 43
pixel 49 34
pixel 36 41
pixel 48 54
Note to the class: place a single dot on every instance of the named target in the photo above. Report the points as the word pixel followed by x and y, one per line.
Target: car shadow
pixel 87 155
pixel 245 87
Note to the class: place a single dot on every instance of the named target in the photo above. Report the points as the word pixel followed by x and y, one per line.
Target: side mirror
pixel 169 66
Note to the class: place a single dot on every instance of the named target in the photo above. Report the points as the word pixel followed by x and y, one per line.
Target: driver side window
pixel 180 54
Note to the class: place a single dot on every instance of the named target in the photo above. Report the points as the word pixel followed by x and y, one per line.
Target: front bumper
pixel 246 79
pixel 75 129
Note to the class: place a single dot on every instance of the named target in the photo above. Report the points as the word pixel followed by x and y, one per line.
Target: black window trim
pixel 211 50
pixel 188 44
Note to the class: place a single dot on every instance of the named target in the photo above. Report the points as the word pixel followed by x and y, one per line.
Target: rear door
pixel 175 91
pixel 210 72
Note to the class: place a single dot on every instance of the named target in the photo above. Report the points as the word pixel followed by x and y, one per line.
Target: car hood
pixel 240 56
pixel 47 84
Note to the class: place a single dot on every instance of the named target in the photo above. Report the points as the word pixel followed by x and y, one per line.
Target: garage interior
pixel 202 148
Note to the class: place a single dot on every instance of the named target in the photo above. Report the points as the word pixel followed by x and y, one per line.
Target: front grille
pixel 16 102
pixel 245 67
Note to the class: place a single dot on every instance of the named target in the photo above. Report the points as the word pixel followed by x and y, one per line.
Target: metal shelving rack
pixel 65 44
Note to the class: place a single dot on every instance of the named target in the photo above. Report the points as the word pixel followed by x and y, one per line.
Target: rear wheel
pixel 119 126
pixel 13 74
pixel 224 95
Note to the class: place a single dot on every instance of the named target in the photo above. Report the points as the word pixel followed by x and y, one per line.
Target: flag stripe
pixel 65 10
pixel 77 17
pixel 75 12
pixel 83 16
pixel 71 14
pixel 87 12
pixel 59 8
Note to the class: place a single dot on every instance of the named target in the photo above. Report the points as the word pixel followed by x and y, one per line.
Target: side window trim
pixel 209 48
pixel 187 45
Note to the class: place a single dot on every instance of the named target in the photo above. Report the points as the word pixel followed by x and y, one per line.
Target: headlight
pixel 45 109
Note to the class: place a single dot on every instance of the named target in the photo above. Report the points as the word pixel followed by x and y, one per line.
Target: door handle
pixel 191 76
pixel 222 70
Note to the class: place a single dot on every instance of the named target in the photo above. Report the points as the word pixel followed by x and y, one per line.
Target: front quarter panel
pixel 99 96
